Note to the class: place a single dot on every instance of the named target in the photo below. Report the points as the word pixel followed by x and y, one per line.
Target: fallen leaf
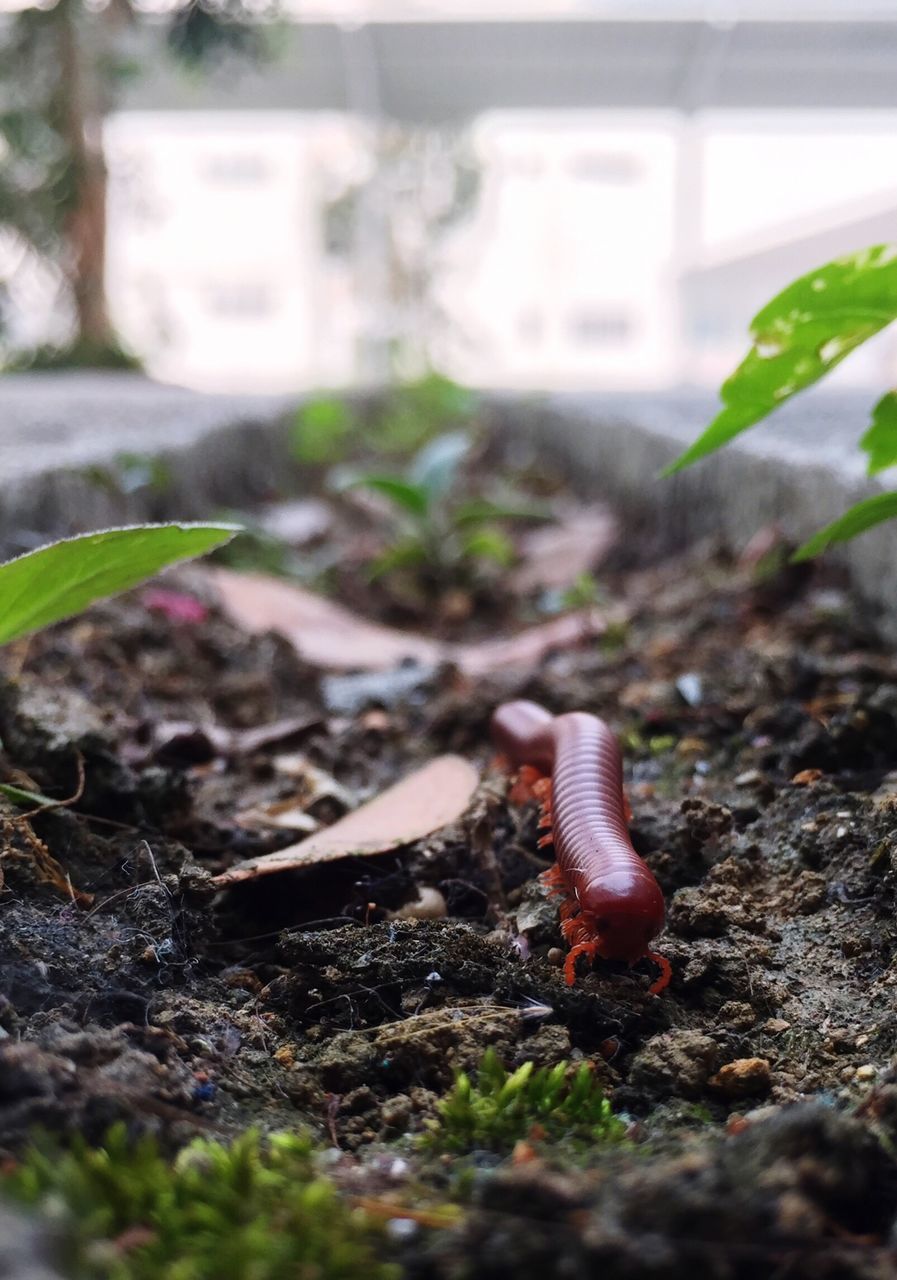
pixel 556 554
pixel 527 648
pixel 322 632
pixel 423 802
pixel 176 605
pixel 186 740
pixel 334 638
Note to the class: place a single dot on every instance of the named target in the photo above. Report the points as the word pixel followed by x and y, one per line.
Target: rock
pixel 743 1078
pixel 675 1062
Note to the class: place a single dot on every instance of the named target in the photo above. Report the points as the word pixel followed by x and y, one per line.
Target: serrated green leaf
pixel 862 516
pixel 59 580
pixel 880 441
pixel 803 333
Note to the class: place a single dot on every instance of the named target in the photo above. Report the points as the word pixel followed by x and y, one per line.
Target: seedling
pixel 438 532
pixel 549 1104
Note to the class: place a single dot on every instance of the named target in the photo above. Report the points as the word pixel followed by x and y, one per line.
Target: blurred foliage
pixel 799 337
pixel 79 354
pixel 323 431
pixel 255 1207
pixel 61 69
pixel 551 1104
pixel 441 533
pixel 330 429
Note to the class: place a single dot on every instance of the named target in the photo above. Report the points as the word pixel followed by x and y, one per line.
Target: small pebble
pixel 866 1072
pixel 428 905
pixel 743 1078
pixel 555 956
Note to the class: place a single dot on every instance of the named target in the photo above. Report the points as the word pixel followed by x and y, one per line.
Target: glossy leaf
pixel 880 441
pixel 436 467
pixel 864 515
pixel 61 579
pixel 407 496
pixel 803 333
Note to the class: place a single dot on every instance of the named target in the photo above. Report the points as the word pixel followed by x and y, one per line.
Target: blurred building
pixel 602 249
pixel 221 271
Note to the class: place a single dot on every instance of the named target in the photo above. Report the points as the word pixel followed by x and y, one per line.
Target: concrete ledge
pixel 803 469
pixel 57 429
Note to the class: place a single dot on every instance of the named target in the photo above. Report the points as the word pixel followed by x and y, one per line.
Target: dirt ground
pixel 759 723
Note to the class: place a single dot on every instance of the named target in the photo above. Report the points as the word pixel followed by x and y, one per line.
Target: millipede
pixel 611 906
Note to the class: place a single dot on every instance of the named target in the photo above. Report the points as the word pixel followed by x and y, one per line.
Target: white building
pixel 565 274
pixel 219 270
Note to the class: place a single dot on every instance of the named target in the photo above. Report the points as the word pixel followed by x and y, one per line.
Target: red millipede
pixel 613 907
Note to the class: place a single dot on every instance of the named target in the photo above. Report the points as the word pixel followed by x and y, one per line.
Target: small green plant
pixel 798 337
pixel 63 578
pixel 131 473
pixel 545 1103
pixel 415 412
pixel 436 529
pixel 322 431
pixel 255 1208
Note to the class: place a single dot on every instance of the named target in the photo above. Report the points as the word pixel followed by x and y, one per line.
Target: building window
pixel 242 300
pixel 617 168
pixel 236 169
pixel 599 328
pixel 530 327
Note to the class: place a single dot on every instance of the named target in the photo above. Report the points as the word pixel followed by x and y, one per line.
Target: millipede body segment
pixel 612 905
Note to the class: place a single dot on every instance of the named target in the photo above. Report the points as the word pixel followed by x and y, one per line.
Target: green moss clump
pixel 549 1104
pixel 251 1210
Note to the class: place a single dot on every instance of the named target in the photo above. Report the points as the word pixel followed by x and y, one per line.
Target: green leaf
pixel 864 515
pixel 322 430
pixel 59 580
pixel 408 553
pixel 24 799
pixel 476 509
pixel 803 333
pixel 880 441
pixel 404 494
pixel 435 469
pixel 489 544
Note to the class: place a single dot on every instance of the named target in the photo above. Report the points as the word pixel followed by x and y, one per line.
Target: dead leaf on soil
pixel 556 554
pixel 333 638
pixel 425 801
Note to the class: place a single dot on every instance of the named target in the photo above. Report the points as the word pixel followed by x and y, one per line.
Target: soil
pixel 759 721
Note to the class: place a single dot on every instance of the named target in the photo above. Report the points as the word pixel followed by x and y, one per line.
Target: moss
pixel 254 1208
pixel 551 1104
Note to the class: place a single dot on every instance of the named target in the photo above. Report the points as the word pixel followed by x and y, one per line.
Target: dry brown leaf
pixel 420 804
pixel 333 638
pixel 527 648
pixel 556 554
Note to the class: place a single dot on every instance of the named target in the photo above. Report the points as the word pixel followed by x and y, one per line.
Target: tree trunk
pixel 85 224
